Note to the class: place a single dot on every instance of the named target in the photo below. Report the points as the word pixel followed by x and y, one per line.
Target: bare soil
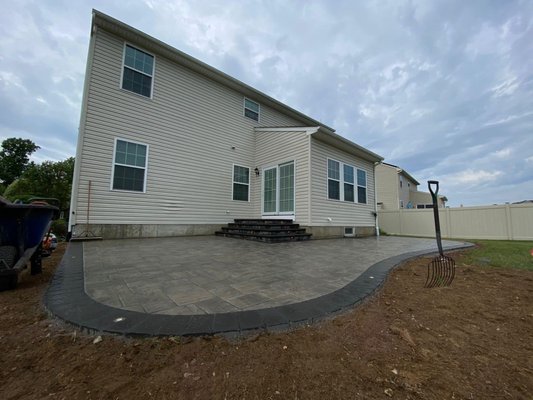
pixel 472 340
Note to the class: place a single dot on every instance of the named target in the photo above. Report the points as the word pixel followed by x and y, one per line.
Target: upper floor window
pixel 129 166
pixel 251 109
pixel 138 71
pixel 241 183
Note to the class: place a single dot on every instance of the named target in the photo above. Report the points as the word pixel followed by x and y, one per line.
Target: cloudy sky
pixel 443 89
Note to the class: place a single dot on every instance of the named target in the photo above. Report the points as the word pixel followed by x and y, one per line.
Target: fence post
pixel 401 221
pixel 509 222
pixel 448 223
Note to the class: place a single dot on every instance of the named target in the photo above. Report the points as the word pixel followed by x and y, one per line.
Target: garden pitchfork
pixel 441 270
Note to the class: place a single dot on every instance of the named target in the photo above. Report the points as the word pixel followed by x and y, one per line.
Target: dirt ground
pixel 473 340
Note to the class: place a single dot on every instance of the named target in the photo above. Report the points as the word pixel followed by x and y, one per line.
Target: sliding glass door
pixel 278 190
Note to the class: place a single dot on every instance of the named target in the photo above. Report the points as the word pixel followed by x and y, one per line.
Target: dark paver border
pixel 66 299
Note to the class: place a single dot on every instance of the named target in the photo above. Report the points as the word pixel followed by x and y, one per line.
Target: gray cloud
pixel 444 89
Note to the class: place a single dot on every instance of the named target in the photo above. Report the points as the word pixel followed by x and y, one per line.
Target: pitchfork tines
pixel 441 271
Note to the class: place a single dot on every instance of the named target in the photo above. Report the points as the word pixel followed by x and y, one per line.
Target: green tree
pixel 49 179
pixel 14 158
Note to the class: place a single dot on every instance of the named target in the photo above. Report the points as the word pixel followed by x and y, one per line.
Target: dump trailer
pixel 22 228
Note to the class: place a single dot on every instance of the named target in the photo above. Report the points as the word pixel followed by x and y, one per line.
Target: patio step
pixel 265 230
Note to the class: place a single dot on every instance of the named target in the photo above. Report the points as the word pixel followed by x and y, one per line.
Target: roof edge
pixel 402 171
pixel 347 145
pixel 307 129
pixel 105 21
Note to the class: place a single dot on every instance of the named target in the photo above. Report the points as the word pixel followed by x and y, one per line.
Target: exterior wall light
pixel 256 170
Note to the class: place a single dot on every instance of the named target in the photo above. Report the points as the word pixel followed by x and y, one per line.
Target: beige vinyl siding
pixel 342 213
pixel 273 148
pixel 421 198
pixel 404 190
pixel 387 187
pixel 190 126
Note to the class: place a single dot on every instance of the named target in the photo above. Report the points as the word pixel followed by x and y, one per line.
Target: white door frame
pixel 277 214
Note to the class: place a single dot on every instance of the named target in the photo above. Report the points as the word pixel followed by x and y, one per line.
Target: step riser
pixel 265 221
pixel 262 232
pixel 265 239
pixel 265 230
pixel 263 227
pixel 288 235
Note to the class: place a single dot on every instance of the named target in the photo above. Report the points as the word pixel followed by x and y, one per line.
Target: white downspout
pixel 81 132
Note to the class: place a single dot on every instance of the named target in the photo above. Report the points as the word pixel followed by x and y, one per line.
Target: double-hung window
pixel 241 183
pixel 138 71
pixel 346 182
pixel 349 193
pixel 361 186
pixel 129 166
pixel 251 109
pixel 334 180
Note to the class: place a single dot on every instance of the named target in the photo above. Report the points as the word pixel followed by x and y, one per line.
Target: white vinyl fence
pixel 504 222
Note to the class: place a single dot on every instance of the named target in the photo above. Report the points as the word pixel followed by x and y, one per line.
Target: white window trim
pixel 342 182
pixel 341 188
pixel 354 184
pixel 244 108
pixel 136 70
pixel 278 214
pixel 240 183
pixel 126 165
pixel 357 185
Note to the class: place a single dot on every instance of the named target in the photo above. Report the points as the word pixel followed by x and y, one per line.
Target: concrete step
pixel 264 221
pixel 267 238
pixel 269 226
pixel 264 232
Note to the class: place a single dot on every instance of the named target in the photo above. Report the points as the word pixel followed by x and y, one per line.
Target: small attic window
pixel 251 109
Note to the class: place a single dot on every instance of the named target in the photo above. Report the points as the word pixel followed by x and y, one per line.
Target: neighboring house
pixel 170 146
pixel 397 189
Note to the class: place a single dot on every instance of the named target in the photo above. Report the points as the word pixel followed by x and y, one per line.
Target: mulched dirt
pixel 472 340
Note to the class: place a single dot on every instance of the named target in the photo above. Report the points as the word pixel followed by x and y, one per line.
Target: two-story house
pixel 170 146
pixel 396 189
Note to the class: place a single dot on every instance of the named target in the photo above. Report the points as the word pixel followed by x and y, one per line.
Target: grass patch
pixel 500 253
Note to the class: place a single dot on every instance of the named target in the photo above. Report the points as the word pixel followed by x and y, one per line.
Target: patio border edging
pixel 66 299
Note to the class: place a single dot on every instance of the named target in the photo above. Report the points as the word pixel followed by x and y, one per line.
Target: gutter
pixel 126 31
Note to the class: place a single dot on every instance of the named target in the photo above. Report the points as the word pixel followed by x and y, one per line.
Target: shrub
pixel 59 227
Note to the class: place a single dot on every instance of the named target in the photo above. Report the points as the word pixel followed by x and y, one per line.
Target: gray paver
pixel 202 275
pixel 188 309
pixel 216 306
pixel 188 294
pixel 142 307
pixel 248 300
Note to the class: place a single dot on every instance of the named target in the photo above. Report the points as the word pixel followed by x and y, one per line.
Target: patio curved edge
pixel 66 299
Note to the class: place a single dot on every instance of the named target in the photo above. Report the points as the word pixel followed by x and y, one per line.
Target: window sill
pixel 136 94
pixel 347 202
pixel 127 191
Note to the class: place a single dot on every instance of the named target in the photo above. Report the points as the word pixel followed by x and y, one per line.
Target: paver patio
pixel 205 281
